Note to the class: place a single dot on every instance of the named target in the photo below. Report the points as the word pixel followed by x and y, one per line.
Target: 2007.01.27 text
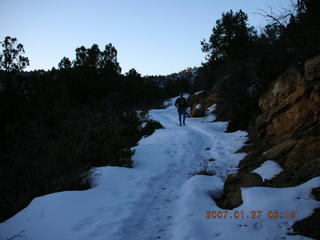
pixel 255 214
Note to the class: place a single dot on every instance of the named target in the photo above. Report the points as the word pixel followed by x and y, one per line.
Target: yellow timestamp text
pixel 254 214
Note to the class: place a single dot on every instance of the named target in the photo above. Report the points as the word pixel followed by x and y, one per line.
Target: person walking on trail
pixel 182 105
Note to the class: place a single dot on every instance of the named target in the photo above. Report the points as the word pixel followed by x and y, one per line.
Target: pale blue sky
pixel 154 37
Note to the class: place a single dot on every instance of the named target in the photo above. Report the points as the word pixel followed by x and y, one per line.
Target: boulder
pixel 251 180
pixel 316 193
pixel 306 153
pixel 231 197
pixel 206 99
pixel 310 226
pixel 312 69
pixel 195 112
pixel 279 149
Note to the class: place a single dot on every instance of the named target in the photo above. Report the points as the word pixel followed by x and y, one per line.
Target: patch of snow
pixel 169 102
pixel 198 106
pixel 212 108
pixel 143 125
pixel 210 118
pixel 199 92
pixel 268 170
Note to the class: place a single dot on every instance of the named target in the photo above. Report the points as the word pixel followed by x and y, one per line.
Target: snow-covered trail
pixel 139 203
pixel 170 157
pixel 161 198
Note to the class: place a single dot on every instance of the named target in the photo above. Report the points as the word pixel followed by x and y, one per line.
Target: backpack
pixel 182 102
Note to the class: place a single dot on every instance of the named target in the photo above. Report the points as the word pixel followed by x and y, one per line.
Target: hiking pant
pixel 182 115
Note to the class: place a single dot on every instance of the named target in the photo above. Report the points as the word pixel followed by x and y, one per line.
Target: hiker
pixel 181 104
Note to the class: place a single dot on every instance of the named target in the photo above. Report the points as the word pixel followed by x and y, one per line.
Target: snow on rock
pixel 198 106
pixel 186 95
pixel 199 92
pixel 210 117
pixel 268 170
pixel 212 108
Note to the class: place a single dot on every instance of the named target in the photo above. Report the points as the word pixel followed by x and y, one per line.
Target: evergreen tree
pixel 230 38
pixel 12 59
pixel 65 63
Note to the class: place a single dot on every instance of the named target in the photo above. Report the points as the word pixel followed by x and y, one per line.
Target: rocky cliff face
pixel 287 131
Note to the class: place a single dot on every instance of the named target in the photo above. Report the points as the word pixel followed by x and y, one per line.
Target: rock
pixel 312 69
pixel 262 120
pixel 310 226
pixel 288 121
pixel 197 98
pixel 291 82
pixel 284 108
pixel 316 193
pixel 305 152
pixel 197 112
pixel 231 197
pixel 231 179
pixel 213 96
pixel 204 99
pixel 288 131
pixel 279 149
pixel 315 94
pixel 251 180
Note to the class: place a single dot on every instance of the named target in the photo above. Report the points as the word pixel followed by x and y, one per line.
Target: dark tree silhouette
pixel 65 63
pixel 132 73
pixel 12 58
pixel 96 59
pixel 231 37
pixel 109 58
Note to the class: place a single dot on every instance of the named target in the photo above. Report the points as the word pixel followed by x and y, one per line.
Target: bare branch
pixel 280 16
pixel 20 235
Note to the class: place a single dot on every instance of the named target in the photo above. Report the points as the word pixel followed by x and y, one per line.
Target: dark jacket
pixel 181 103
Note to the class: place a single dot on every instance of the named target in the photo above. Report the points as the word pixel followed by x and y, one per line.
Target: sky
pixel 152 36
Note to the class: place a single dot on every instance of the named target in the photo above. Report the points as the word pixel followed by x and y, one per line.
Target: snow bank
pixel 291 204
